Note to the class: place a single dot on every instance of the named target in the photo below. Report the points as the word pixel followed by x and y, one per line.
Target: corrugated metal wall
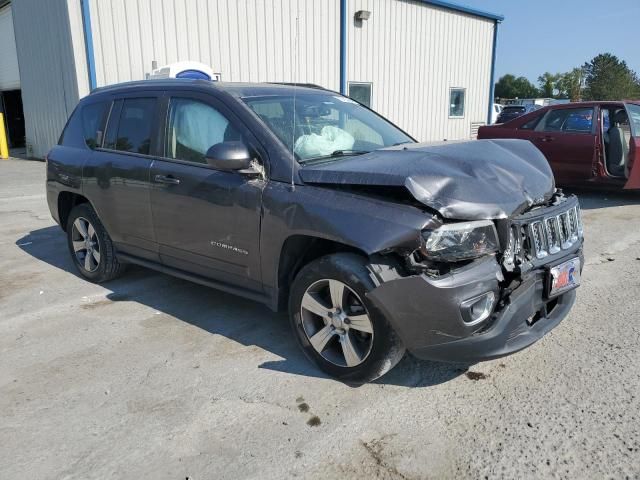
pixel 247 40
pixel 413 54
pixel 52 71
pixel 9 74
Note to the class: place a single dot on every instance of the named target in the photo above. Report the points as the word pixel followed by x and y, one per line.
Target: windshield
pixel 326 125
pixel 634 118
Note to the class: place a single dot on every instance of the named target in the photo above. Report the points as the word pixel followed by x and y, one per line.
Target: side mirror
pixel 229 156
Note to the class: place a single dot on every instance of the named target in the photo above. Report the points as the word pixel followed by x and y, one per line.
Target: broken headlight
pixel 460 241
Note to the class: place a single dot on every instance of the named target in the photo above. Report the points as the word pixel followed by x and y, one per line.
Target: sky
pixel 558 35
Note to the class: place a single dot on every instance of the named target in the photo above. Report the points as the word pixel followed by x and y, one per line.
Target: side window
pixel 93 118
pixel 531 124
pixel 633 110
pixel 570 120
pixel 132 131
pixel 606 120
pixel 193 128
pixel 456 102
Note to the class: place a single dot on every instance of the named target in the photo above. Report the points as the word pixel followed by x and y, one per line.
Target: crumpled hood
pixel 481 179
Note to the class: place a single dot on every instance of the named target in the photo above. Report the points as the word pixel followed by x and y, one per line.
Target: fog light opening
pixel 478 309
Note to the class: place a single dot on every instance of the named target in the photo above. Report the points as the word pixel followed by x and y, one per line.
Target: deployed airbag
pixel 329 140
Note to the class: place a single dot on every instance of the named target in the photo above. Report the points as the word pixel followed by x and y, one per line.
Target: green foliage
pixel 605 77
pixel 549 84
pixel 511 87
pixel 570 84
pixel 609 78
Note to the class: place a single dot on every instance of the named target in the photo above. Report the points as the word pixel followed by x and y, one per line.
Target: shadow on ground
pixel 236 318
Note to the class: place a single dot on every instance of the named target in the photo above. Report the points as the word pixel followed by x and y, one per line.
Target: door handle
pixel 547 139
pixel 166 179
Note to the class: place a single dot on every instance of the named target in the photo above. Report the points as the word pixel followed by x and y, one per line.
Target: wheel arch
pixel 297 251
pixel 66 202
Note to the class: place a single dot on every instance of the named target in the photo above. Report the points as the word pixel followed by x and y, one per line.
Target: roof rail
pixel 306 85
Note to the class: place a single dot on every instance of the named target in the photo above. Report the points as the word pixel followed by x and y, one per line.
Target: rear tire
pixel 90 246
pixel 335 323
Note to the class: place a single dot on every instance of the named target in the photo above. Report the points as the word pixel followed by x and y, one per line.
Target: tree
pixel 570 84
pixel 549 84
pixel 609 78
pixel 510 86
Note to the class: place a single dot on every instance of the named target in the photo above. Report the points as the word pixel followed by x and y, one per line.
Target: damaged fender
pixel 368 224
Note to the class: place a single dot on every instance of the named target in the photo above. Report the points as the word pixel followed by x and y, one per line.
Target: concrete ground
pixel 154 377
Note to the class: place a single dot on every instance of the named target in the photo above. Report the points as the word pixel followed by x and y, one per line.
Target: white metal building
pixel 425 64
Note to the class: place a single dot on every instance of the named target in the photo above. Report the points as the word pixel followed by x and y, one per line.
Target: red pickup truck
pixel 587 143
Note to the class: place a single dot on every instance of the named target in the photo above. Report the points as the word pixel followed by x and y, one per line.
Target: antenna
pixel 295 89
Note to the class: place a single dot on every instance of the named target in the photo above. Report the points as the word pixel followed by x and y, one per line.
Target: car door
pixel 116 175
pixel 568 139
pixel 206 221
pixel 633 162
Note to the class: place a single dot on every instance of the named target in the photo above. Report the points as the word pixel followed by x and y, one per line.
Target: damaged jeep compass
pixel 305 200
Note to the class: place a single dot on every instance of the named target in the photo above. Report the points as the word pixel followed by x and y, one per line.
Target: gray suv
pixel 301 198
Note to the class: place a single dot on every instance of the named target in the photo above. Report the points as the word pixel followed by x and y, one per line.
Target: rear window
pixel 133 132
pixel 93 118
pixel 513 109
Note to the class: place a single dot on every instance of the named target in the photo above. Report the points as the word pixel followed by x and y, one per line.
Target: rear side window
pixel 531 124
pixel 570 120
pixel 133 128
pixel 93 118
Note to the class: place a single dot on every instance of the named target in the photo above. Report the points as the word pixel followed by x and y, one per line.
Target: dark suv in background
pixel 304 199
pixel 509 112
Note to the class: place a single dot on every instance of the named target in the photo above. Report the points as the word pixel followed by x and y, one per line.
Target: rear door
pixel 206 221
pixel 568 139
pixel 117 173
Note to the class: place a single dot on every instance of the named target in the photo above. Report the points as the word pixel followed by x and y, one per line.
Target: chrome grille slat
pixel 551 234
pixel 551 225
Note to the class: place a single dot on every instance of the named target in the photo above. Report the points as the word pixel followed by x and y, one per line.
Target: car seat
pixel 618 144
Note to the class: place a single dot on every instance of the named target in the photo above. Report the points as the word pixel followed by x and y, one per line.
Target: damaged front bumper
pixel 429 313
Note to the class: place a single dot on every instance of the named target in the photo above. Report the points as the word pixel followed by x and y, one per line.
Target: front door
pixel 633 161
pixel 568 138
pixel 206 221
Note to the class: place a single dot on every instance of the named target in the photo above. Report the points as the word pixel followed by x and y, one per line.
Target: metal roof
pixel 464 9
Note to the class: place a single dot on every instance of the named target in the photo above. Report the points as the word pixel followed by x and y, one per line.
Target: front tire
pixel 90 246
pixel 335 323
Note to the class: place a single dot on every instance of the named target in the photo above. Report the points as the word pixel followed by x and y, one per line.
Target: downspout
pixel 343 47
pixel 493 72
pixel 88 43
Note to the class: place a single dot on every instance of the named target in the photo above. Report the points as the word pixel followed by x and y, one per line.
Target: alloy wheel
pixel 85 244
pixel 336 323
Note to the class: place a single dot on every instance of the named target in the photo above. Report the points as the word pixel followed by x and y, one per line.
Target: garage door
pixel 9 75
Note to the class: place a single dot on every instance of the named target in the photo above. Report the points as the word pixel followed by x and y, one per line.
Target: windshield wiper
pixel 344 153
pixel 337 153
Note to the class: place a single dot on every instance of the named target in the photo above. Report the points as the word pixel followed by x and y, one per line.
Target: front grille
pixel 555 233
pixel 551 234
pixel 539 235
